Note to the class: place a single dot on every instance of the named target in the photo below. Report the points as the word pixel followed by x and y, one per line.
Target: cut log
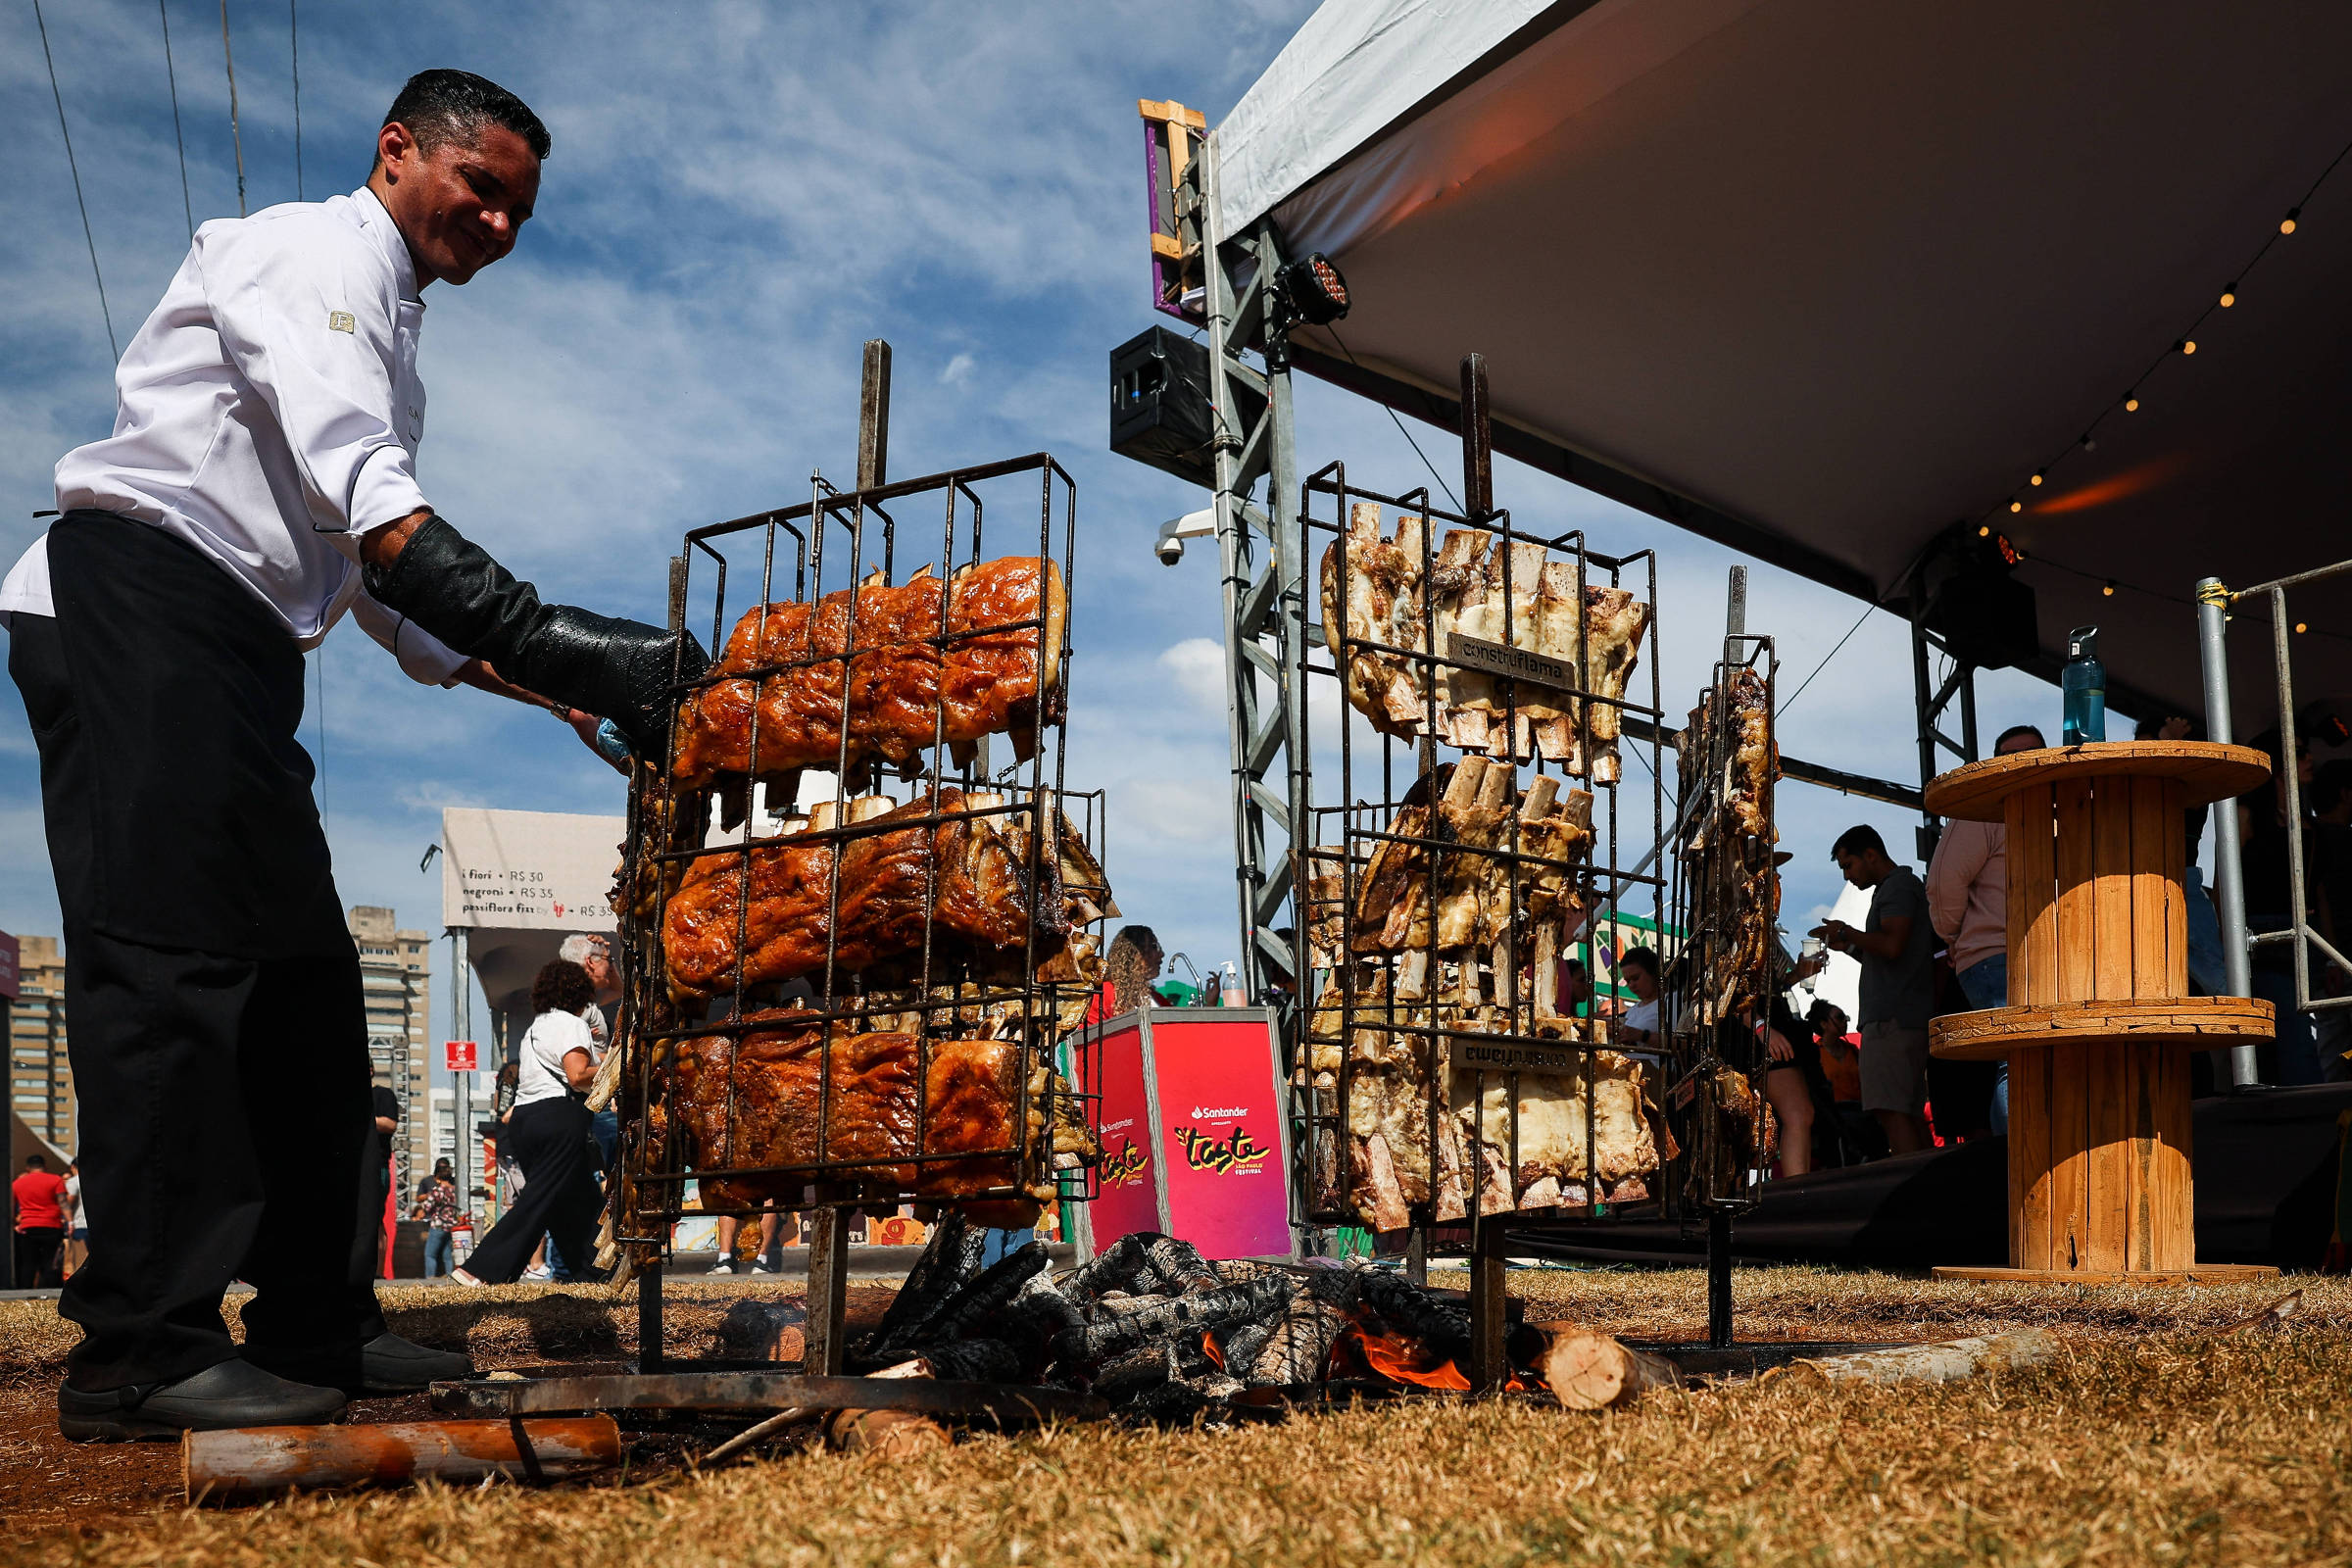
pixel 891 1434
pixel 258 1461
pixel 1589 1371
pixel 1943 1362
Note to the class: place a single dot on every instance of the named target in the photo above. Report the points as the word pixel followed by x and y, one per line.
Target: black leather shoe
pixel 395 1365
pixel 385 1364
pixel 228 1394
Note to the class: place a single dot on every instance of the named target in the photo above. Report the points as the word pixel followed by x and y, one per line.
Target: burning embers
pixel 1165 1334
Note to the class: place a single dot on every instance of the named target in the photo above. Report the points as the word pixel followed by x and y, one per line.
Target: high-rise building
pixel 395 977
pixel 40 1082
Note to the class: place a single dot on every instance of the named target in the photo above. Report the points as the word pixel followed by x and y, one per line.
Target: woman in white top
pixel 549 1133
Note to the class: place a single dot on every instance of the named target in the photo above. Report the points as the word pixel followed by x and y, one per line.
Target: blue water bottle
pixel 2085 684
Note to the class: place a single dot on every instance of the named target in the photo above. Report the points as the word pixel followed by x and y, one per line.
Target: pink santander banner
pixel 1194 1143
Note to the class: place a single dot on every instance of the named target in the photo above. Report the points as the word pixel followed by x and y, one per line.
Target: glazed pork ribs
pixel 964 880
pixel 914 662
pixel 867 1105
pixel 1378 589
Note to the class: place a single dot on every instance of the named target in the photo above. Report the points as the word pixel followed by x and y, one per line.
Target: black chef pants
pixel 559 1197
pixel 213 1000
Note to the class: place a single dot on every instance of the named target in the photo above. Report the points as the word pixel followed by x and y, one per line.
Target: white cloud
pixel 958 370
pixel 1196 666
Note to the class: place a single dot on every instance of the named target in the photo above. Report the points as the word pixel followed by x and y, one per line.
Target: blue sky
pixel 739 195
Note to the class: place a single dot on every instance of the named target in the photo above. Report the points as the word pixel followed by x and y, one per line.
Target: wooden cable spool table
pixel 2100 1023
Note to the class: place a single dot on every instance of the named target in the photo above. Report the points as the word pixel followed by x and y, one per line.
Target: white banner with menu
pixel 528 870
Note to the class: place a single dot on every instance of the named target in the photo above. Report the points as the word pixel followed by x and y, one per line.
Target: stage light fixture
pixel 1315 289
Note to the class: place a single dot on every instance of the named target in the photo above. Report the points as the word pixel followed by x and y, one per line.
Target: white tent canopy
pixel 1821 278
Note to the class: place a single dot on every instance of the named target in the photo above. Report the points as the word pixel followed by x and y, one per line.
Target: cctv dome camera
pixel 1170 550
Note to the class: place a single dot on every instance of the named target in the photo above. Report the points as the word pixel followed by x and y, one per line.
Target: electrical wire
pixel 1399 424
pixel 173 77
pixel 75 170
pixel 294 50
pixel 236 138
pixel 1790 701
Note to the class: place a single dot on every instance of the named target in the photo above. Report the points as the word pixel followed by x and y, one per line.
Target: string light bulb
pixel 1984 530
pixel 2302 626
pixel 2017 506
pixel 2131 405
pixel 2107 590
pixel 2286 225
pixel 2228 296
pixel 2038 478
pixel 2188 345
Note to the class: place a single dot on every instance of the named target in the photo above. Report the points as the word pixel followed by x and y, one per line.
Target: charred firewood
pixel 1138 1370
pixel 1242 1345
pixel 1426 1317
pixel 1180 1263
pixel 974 1361
pixel 1181 1400
pixel 1189 1316
pixel 949 1260
pixel 1116 1268
pixel 1045 1313
pixel 1116 1305
pixel 1298 1349
pixel 979 1303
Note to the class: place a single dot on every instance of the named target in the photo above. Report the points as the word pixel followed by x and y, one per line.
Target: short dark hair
pixel 1646 958
pixel 562 987
pixel 1860 839
pixel 30 1160
pixel 2015 730
pixel 439 106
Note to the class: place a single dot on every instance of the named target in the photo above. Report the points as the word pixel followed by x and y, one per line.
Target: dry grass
pixel 2149 1441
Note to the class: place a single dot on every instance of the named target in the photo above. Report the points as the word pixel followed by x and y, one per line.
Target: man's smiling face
pixel 460 203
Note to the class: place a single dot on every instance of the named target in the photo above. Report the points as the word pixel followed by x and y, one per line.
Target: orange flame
pixel 1208 1348
pixel 1407 1361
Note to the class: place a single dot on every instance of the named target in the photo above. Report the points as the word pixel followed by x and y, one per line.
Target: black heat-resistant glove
pixel 616 670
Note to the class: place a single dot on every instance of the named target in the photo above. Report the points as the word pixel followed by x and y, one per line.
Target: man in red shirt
pixel 40 1195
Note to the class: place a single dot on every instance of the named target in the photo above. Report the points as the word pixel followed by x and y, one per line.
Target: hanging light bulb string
pixel 2182 346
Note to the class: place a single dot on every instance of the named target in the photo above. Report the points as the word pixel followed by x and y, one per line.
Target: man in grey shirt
pixel 1898 951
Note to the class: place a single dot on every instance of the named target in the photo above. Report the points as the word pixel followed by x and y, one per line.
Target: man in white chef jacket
pixel 261 481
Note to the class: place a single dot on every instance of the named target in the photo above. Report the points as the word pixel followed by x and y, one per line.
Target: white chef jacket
pixel 268 413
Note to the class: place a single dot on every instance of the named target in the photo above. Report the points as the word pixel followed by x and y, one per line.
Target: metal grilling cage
pixel 856 954
pixel 1720 988
pixel 1494 776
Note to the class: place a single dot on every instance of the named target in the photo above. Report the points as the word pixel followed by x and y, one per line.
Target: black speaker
pixel 1985 615
pixel 1160 407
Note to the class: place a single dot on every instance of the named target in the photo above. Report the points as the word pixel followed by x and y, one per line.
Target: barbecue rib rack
pixel 856 953
pixel 1475 844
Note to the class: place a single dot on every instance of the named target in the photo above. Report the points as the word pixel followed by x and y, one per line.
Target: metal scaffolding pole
pixel 1933 701
pixel 1262 577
